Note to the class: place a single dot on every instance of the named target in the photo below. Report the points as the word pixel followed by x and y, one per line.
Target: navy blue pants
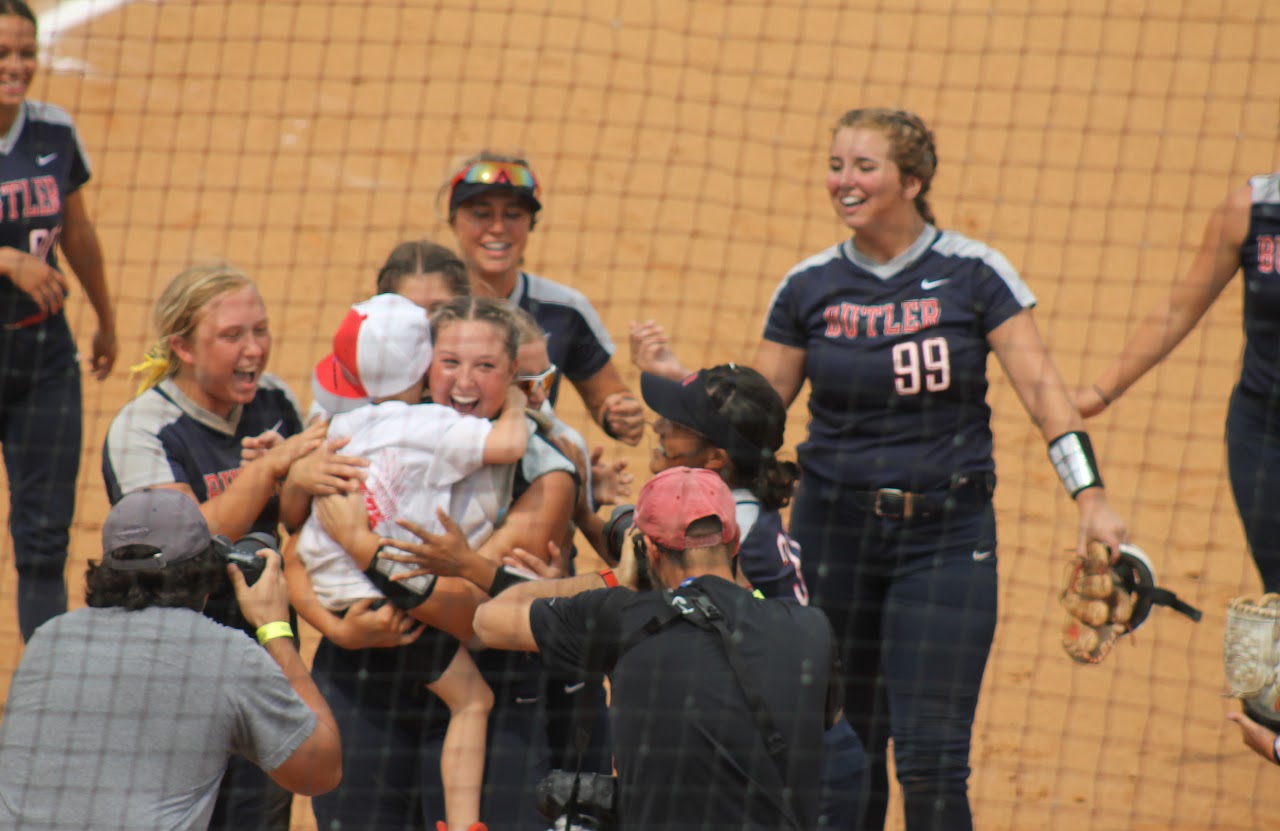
pixel 1253 460
pixel 40 414
pixel 392 732
pixel 844 778
pixel 913 604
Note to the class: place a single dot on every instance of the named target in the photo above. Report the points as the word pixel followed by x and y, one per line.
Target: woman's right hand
pixel 364 627
pixel 35 278
pixel 322 472
pixel 1088 401
pixel 281 457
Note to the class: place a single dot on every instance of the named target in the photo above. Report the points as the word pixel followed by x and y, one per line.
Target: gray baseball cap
pixel 167 520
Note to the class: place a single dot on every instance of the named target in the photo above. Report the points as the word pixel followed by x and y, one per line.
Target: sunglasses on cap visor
pixel 542 382
pixel 496 173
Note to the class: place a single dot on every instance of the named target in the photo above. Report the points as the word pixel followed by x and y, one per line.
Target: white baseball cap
pixel 382 347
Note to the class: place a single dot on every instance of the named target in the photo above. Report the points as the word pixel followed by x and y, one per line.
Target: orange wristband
pixel 606 574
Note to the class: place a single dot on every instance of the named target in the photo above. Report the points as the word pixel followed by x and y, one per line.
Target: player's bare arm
pixel 783 366
pixel 612 405
pixel 1035 377
pixel 80 245
pixel 361 627
pixel 1215 264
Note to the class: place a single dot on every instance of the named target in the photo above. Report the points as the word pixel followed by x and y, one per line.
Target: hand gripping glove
pixel 1105 601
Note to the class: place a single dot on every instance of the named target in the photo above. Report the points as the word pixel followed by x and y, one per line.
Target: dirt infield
pixel 682 147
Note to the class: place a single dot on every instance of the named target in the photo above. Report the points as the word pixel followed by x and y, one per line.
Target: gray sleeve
pixel 135 455
pixel 271 720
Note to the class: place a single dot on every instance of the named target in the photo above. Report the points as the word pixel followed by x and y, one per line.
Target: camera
pixel 579 801
pixel 616 528
pixel 243 553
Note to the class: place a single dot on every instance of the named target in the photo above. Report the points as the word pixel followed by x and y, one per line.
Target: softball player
pixel 392 734
pixel 206 392
pixel 1243 234
pixel 892 329
pixel 493 206
pixel 42 168
pixel 728 419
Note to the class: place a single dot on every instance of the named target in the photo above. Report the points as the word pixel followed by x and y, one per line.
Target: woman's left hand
pixel 445 555
pixel 624 415
pixel 1099 522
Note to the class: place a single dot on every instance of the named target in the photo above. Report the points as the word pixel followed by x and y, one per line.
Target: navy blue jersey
pixel 896 358
pixel 577 342
pixel 41 163
pixel 1260 259
pixel 162 437
pixel 768 557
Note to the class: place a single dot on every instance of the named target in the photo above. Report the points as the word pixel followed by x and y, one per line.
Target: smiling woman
pixel 494 201
pixel 205 396
pixel 892 328
pixel 43 168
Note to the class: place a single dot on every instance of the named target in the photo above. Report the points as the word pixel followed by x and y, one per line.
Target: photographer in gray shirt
pixel 123 715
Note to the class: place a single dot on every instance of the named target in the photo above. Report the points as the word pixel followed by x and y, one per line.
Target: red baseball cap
pixel 671 501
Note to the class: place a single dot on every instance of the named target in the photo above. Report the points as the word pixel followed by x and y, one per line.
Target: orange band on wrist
pixel 607 575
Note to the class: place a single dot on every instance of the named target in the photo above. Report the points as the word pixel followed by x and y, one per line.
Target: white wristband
pixel 1073 459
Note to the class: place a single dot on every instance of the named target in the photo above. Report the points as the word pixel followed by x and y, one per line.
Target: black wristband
pixel 1073 459
pixel 504 579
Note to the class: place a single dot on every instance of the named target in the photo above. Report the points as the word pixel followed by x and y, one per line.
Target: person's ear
pixel 650 549
pixel 911 187
pixel 182 350
pixel 717 459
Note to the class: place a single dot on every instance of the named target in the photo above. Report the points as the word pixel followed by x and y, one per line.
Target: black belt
pixel 894 503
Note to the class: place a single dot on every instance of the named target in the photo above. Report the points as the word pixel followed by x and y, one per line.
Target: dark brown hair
pixel 754 408
pixel 422 257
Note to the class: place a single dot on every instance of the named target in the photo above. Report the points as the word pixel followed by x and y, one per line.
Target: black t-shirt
pixel 687 749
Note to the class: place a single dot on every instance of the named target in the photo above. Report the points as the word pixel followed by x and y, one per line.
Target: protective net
pixel 681 149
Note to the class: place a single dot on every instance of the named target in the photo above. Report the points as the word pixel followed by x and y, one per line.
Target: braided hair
pixel 755 410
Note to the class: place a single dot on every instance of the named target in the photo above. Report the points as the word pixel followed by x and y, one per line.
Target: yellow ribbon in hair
pixel 153 369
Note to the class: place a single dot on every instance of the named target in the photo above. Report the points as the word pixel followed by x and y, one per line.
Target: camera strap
pixel 691 604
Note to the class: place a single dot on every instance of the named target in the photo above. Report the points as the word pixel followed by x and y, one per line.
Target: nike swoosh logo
pixel 933 284
pixel 979 556
pixel 44 160
pixel 570 689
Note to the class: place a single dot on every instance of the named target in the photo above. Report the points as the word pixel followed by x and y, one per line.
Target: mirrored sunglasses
pixel 542 382
pixel 496 173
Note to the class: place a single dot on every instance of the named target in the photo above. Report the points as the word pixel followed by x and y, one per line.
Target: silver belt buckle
pixel 908 506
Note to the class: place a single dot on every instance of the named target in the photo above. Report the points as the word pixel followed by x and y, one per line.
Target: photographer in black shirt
pixel 719 698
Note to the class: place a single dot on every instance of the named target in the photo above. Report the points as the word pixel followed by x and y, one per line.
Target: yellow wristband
pixel 274 629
